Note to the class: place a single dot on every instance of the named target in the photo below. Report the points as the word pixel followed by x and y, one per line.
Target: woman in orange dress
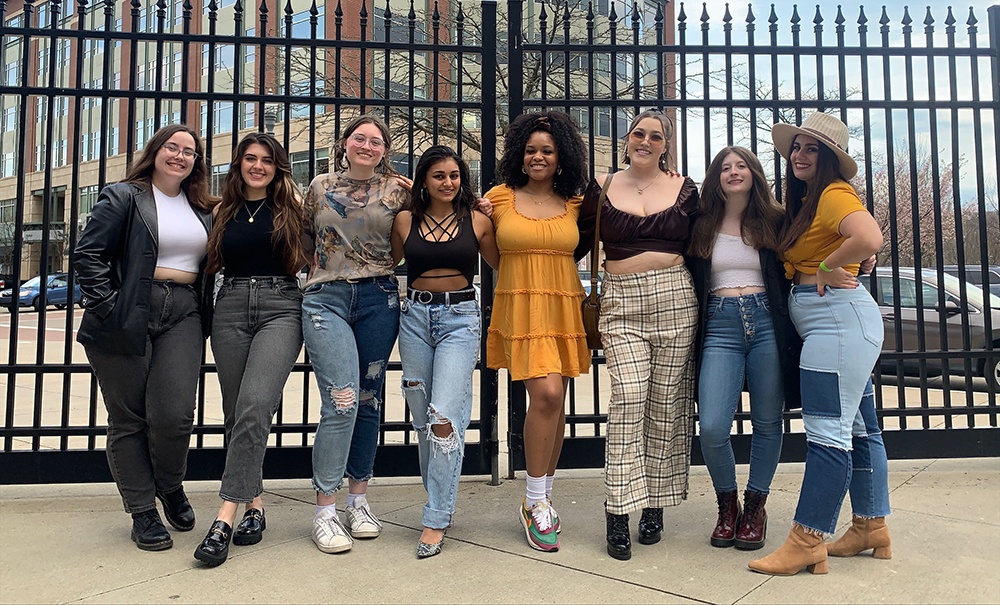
pixel 536 329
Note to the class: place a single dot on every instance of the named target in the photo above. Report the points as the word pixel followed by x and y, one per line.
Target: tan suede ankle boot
pixel 802 550
pixel 862 535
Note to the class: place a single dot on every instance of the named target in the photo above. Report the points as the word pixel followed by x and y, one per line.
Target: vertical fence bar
pixel 488 378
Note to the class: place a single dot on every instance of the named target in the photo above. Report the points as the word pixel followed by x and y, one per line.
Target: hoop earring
pixel 424 195
pixel 523 171
pixel 559 170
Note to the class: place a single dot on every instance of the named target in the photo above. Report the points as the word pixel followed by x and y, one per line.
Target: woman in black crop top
pixel 649 316
pixel 439 327
pixel 257 327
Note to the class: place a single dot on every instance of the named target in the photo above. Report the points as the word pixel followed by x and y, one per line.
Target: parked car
pixel 55 294
pixel 974 274
pixel 585 280
pixel 882 291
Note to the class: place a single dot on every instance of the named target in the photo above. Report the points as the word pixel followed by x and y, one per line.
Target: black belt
pixel 263 280
pixel 440 298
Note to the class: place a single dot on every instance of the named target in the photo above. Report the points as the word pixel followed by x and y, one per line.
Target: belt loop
pixel 447 299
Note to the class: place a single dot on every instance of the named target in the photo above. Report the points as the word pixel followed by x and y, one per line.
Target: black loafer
pixel 148 531
pixel 214 549
pixel 177 509
pixel 251 528
pixel 650 525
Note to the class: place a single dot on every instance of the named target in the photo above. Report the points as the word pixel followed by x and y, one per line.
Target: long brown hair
pixel 283 195
pixel 340 153
pixel 801 200
pixel 760 220
pixel 195 186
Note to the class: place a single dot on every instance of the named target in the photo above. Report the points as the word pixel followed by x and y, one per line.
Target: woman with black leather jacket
pixel 140 263
pixel 745 335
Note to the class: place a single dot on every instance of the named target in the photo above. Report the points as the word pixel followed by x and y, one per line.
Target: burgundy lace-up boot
pixel 724 535
pixel 753 527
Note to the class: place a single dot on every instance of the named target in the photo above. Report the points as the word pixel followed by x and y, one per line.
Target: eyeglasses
pixel 638 137
pixel 361 139
pixel 189 154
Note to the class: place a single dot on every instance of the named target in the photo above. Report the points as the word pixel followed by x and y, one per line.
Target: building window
pixel 300 166
pixel 9 118
pixel 41 109
pixel 11 74
pixel 219 173
pixel 112 142
pixel 301 28
pixel 39 157
pixel 8 164
pixel 59 153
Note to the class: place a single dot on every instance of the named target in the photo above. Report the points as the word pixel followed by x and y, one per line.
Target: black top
pixel 246 247
pixel 460 253
pixel 625 235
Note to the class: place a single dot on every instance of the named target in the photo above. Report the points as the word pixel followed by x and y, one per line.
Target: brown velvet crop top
pixel 626 235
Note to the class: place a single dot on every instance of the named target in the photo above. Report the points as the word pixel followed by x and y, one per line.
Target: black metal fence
pixel 86 84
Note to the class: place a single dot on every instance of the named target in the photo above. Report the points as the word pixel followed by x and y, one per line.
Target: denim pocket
pixel 226 287
pixel 404 306
pixel 467 307
pixel 389 285
pixel 313 289
pixel 289 291
pixel 871 323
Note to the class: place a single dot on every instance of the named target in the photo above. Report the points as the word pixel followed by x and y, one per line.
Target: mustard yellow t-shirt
pixel 823 236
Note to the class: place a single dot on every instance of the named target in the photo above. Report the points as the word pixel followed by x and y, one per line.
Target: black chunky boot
pixel 650 525
pixel 619 542
pixel 177 509
pixel 148 531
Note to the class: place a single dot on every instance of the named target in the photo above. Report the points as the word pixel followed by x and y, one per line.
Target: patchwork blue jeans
pixel 841 339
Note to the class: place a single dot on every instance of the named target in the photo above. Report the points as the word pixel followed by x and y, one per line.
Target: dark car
pixel 885 295
pixel 55 293
pixel 974 274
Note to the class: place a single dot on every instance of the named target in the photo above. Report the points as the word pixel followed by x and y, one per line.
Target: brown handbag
pixel 591 305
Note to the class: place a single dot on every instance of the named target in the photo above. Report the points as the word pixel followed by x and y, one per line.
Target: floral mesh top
pixel 346 226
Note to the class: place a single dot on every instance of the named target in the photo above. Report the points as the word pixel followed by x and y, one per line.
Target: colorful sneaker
pixel 538 526
pixel 555 515
pixel 362 520
pixel 330 536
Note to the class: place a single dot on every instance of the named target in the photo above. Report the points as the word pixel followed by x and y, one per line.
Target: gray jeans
pixel 256 337
pixel 151 397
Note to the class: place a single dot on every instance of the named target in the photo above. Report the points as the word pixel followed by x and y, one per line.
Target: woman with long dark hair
pixel 257 328
pixel 649 317
pixel 536 330
pixel 441 236
pixel 148 300
pixel 826 234
pixel 350 319
pixel 746 335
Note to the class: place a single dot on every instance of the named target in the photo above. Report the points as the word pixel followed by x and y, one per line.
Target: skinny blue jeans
pixel 349 329
pixel 439 346
pixel 740 346
pixel 841 339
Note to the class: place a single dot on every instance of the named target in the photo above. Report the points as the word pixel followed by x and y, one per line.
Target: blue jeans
pixel 740 346
pixel 349 329
pixel 256 337
pixel 841 340
pixel 439 346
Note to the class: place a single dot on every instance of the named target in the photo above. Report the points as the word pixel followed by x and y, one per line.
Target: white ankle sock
pixel 548 485
pixel 536 490
pixel 329 510
pixel 352 499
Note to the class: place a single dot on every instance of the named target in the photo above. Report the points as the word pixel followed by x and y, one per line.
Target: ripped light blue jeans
pixel 438 346
pixel 349 329
pixel 841 340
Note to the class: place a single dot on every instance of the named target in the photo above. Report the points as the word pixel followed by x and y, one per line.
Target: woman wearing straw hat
pixel 826 234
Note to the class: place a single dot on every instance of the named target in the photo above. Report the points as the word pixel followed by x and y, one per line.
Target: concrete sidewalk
pixel 61 544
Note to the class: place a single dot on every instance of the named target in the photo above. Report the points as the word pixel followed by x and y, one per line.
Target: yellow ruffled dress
pixel 536 327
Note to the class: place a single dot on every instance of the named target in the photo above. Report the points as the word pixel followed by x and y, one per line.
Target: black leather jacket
pixel 115 260
pixel 776 286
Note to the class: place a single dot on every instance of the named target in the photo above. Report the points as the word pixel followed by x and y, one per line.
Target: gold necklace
pixel 638 189
pixel 536 202
pixel 254 213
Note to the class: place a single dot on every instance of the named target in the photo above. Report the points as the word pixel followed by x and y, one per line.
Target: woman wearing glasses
pixel 649 317
pixel 140 262
pixel 350 318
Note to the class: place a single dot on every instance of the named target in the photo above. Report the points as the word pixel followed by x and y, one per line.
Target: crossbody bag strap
pixel 597 233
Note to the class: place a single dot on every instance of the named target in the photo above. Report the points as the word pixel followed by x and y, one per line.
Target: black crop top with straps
pixel 246 246
pixel 460 253
pixel 625 235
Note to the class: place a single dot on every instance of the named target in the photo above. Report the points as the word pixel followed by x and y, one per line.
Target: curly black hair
pixel 572 177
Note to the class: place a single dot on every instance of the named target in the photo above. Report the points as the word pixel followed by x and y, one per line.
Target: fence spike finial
pixel 364 10
pixel 862 18
pixel 590 11
pixel 704 12
pixel 972 18
pixel 726 18
pixel 950 20
pixel 928 18
pixel 313 10
pixel 682 17
pixel 817 18
pixel 289 11
pixel 460 17
pixel 774 16
pixel 884 21
pixel 263 7
pixel 338 12
pixel 906 16
pixel 435 16
pixel 635 14
pixel 795 14
pixel 839 20
pixel 542 16
pixel 613 15
pixel 750 17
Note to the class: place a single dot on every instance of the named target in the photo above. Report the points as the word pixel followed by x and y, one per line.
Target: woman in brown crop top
pixel 649 316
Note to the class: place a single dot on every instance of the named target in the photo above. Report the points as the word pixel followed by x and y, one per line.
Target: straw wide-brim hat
pixel 826 129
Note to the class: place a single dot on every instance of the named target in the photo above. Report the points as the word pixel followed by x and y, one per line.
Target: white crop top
pixel 735 264
pixel 181 236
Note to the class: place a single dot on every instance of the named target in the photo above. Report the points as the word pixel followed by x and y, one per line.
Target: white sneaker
pixel 330 536
pixel 362 521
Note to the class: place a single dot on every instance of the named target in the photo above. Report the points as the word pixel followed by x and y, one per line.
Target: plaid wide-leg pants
pixel 648 323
